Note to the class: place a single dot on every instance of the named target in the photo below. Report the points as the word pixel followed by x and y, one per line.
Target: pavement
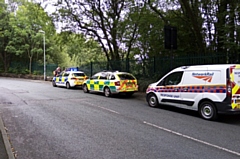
pixel 5 146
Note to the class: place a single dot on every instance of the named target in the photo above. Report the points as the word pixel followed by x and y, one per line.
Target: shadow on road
pixel 228 119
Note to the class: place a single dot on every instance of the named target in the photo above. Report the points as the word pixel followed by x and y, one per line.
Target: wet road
pixel 56 123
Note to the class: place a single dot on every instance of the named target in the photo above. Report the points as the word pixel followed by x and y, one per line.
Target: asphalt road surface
pixel 46 122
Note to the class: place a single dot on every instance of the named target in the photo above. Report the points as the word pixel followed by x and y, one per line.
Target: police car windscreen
pixel 78 74
pixel 126 77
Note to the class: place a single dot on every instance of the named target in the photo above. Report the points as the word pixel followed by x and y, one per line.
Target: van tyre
pixel 107 92
pixel 208 111
pixel 152 100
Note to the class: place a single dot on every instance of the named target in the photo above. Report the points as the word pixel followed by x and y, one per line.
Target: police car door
pixel 169 91
pixel 94 82
pixel 59 79
pixel 65 78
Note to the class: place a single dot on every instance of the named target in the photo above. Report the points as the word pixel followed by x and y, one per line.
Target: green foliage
pixel 76 49
pixel 4 36
pixel 104 23
pixel 115 30
pixel 18 70
pixel 25 41
pixel 36 73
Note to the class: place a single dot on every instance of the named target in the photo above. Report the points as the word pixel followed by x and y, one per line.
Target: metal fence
pixel 156 67
pixel 37 69
pixel 150 68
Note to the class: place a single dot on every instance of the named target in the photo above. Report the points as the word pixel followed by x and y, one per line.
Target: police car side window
pixel 60 74
pixel 112 77
pixel 172 79
pixel 94 77
pixel 103 77
pixel 66 74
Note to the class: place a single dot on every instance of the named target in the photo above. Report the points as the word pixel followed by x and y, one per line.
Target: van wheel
pixel 68 85
pixel 208 111
pixel 107 92
pixel 152 100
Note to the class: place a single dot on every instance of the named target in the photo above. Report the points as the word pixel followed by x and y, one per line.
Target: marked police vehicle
pixel 208 89
pixel 111 82
pixel 69 79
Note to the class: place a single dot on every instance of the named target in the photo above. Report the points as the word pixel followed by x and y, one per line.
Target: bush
pixel 36 72
pixel 143 83
pixel 26 71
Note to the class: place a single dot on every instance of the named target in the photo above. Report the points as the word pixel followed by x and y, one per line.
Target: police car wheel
pixel 107 92
pixel 152 100
pixel 208 111
pixel 54 84
pixel 68 85
pixel 85 89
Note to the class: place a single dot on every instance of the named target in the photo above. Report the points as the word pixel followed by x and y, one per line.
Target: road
pixel 45 122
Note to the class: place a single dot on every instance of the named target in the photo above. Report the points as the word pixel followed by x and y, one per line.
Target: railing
pixel 150 68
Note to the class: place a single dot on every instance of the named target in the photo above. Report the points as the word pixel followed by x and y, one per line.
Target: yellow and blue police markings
pixel 61 80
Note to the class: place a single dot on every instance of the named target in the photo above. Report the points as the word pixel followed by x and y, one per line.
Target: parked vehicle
pixel 111 82
pixel 208 89
pixel 69 79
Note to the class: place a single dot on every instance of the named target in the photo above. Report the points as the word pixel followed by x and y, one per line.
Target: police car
pixel 111 82
pixel 69 79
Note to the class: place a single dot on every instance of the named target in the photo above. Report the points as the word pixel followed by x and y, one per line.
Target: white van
pixel 208 89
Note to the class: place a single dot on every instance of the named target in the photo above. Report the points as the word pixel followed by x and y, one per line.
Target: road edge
pixel 6 141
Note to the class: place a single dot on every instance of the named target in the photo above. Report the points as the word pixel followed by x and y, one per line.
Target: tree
pixel 26 40
pixel 205 25
pixel 5 32
pixel 101 20
pixel 78 49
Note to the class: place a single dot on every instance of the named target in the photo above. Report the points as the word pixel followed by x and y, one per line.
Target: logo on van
pixel 207 76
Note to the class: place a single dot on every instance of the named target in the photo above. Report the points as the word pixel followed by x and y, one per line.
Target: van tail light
pixel 229 88
pixel 117 83
pixel 86 77
pixel 73 78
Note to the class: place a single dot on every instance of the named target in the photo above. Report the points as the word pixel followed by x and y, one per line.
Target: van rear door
pixel 235 86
